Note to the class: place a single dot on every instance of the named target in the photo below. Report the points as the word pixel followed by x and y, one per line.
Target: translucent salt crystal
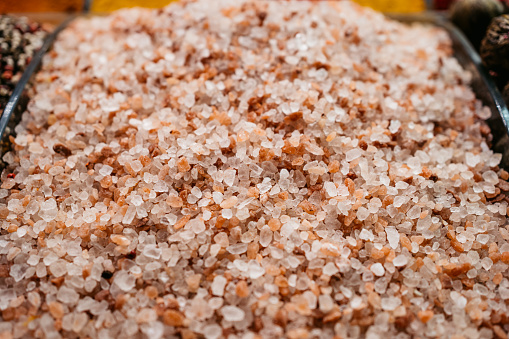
pixel 265 236
pixel 481 289
pixel 152 251
pixel 255 270
pixel 330 188
pixel 264 186
pixel 124 281
pixel 227 213
pixel 490 177
pixel 390 303
pixel 50 258
pixel 330 269
pixel 366 234
pixel 36 148
pixel 14 205
pixel 136 200
pixel 362 213
pixel 32 207
pixel 79 321
pixel 414 212
pixel 89 216
pixel 218 285
pixel 217 197
pixel 105 170
pixel 400 260
pixel 67 295
pixel 325 302
pixel 504 292
pixel 229 203
pixel 33 260
pixel 213 331
pixel 17 271
pixel 399 201
pixel 189 100
pixel 377 269
pixel 120 240
pixel 353 154
pixel 196 225
pixel 288 228
pixel 237 248
pixel 196 192
pixel 394 125
pixel 136 165
pixel 232 313
pixel 229 177
pixel 392 236
pixel 129 215
pixel 58 268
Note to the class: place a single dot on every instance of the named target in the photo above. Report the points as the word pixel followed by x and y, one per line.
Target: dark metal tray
pixel 482 84
pixel 20 97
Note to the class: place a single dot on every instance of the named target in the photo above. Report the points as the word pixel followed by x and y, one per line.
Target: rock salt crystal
pixel 400 260
pixel 377 269
pixel 232 313
pixel 218 285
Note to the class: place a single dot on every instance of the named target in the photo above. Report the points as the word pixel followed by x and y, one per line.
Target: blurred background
pixel 13 6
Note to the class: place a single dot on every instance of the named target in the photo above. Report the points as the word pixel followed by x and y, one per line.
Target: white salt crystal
pixel 255 270
pixel 218 285
pixel 229 177
pixel 136 165
pixel 504 292
pixel 196 192
pixel 331 189
pixel 483 238
pixel 400 260
pixel 105 170
pixel 89 216
pixel 414 212
pixel 58 268
pixel 353 154
pixel 189 100
pixel 17 271
pixel 227 213
pixel 490 177
pixel 232 313
pixel 377 269
pixel 213 331
pixel 136 200
pixel 390 303
pixel 124 281
pixel 399 201
pixel 196 225
pixel 129 215
pixel 152 251
pixel 362 213
pixel 326 303
pixel 237 248
pixel 366 235
pixel 217 197
pixel 330 269
pixel 394 125
pixel 265 236
pixel 67 295
pixel 392 236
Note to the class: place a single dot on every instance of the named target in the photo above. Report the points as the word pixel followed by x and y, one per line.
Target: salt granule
pixel 232 313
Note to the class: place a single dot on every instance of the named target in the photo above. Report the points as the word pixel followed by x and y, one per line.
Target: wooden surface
pixel 10 6
pixel 17 6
